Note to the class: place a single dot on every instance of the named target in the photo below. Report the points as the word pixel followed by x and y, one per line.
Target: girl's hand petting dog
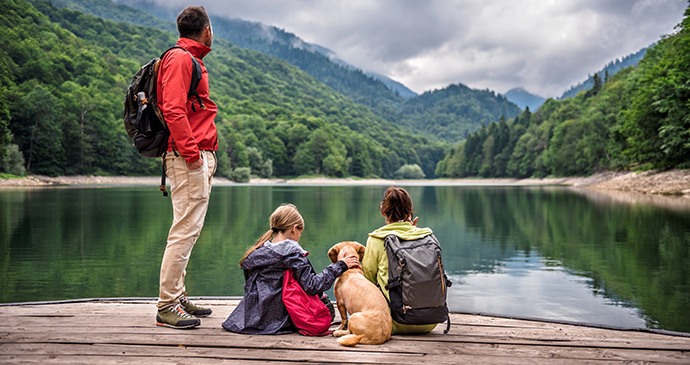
pixel 351 261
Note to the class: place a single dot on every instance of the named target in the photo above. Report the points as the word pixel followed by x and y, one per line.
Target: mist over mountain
pixel 66 74
pixel 611 69
pixel 269 40
pixel 524 99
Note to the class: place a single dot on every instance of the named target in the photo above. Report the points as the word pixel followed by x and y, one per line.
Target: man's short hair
pixel 192 21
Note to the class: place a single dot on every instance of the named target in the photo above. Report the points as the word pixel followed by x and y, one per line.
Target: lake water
pixel 544 252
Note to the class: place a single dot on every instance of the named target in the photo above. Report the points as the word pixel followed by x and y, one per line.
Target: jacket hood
pixel 404 230
pixel 195 48
pixel 273 254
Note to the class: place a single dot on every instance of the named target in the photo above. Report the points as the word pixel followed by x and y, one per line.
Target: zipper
pixel 443 284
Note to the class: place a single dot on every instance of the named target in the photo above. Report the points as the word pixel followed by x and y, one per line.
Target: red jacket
pixel 190 130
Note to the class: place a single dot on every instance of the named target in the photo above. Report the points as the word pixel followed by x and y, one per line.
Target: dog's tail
pixel 350 340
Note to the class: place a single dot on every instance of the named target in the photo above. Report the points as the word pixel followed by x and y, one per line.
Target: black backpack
pixel 417 284
pixel 143 120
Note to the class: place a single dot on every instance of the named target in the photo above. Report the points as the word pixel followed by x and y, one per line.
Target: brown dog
pixel 370 318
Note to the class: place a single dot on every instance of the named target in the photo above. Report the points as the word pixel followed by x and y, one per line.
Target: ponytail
pixel 266 237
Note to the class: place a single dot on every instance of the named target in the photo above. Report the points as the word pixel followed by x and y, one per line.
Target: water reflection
pixel 522 251
pixel 526 286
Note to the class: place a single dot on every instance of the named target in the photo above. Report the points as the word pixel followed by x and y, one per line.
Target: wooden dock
pixel 118 331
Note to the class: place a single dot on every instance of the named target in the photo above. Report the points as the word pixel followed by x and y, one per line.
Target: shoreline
pixel 653 182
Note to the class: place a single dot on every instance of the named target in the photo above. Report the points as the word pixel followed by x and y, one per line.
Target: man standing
pixel 189 163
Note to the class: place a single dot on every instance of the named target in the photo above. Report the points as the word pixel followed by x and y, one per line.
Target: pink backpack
pixel 309 314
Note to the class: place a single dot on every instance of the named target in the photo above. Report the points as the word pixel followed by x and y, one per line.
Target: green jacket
pixel 375 264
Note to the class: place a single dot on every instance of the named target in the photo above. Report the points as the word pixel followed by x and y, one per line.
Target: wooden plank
pixel 63 329
pixel 462 324
pixel 143 359
pixel 328 344
pixel 346 356
pixel 94 332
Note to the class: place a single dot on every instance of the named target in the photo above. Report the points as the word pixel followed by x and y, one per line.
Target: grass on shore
pixel 10 176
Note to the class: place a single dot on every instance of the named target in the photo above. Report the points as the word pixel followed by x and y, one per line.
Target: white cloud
pixel 545 46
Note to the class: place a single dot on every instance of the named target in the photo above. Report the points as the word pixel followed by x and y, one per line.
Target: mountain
pixel 636 120
pixel 395 86
pixel 451 113
pixel 64 75
pixel 269 40
pixel 440 114
pixel 610 69
pixel 524 99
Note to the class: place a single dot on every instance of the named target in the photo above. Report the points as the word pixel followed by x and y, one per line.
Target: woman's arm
pixel 370 262
pixel 375 264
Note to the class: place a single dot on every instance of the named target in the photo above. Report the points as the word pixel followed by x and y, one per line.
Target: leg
pixel 342 330
pixel 190 191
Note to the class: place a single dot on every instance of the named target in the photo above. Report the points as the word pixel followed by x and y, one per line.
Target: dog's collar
pixel 357 267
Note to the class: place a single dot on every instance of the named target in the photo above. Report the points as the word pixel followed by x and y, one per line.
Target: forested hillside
pixel 354 84
pixel 446 115
pixel 451 113
pixel 610 69
pixel 269 40
pixel 63 78
pixel 635 119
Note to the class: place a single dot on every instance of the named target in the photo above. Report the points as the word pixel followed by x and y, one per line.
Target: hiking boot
pixel 175 317
pixel 192 309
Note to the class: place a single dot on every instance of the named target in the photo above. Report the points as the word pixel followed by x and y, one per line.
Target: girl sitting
pixel 261 310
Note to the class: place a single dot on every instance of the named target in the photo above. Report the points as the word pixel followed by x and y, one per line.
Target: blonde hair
pixel 283 219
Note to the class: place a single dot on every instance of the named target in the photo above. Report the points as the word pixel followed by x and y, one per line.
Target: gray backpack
pixel 417 285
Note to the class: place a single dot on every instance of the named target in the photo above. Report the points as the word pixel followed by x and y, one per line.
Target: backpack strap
pixel 196 78
pixel 445 332
pixel 161 187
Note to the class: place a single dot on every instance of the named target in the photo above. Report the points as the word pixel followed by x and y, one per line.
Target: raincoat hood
pixel 404 230
pixel 274 254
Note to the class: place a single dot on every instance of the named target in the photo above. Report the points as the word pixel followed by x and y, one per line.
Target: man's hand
pixel 196 164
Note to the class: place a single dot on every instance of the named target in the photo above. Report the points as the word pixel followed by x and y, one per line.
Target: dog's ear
pixel 360 251
pixel 333 253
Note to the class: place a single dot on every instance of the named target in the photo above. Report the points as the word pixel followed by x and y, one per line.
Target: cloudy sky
pixel 544 46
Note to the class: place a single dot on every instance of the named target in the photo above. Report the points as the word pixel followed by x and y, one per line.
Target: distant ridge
pixel 612 68
pixel 444 116
pixel 524 99
pixel 275 42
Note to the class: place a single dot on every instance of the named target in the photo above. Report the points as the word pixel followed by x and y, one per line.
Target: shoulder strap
pixel 196 78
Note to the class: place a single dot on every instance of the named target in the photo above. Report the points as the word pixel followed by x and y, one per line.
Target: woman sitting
pixel 261 310
pixel 396 207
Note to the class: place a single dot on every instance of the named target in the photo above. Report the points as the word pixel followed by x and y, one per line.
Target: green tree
pixel 409 172
pixel 13 162
pixel 42 137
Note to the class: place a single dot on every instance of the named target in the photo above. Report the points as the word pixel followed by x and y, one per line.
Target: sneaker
pixel 175 317
pixel 194 309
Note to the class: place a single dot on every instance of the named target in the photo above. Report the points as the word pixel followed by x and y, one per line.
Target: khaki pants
pixel 189 192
